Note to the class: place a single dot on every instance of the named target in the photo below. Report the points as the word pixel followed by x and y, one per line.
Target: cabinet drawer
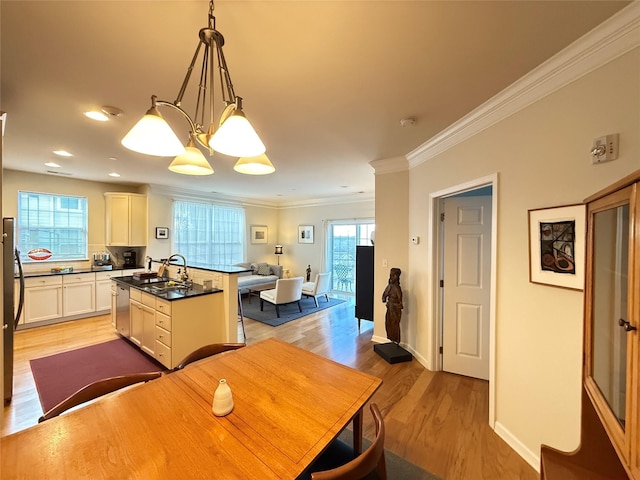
pixel 163 306
pixel 108 274
pixel 149 300
pixel 163 354
pixel 42 281
pixel 135 294
pixel 163 336
pixel 78 278
pixel 163 321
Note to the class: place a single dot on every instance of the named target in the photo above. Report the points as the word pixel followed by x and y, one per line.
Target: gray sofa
pixel 257 275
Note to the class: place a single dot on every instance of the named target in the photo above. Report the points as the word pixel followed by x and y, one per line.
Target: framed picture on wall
pixel 305 234
pixel 557 246
pixel 162 232
pixel 259 234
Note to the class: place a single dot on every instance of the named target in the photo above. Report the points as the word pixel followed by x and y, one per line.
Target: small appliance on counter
pixel 101 261
pixel 130 260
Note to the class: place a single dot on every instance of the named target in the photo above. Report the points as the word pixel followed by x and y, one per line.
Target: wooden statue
pixel 392 296
pixel 308 273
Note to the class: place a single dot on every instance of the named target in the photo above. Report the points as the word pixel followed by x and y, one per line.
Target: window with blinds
pixel 51 227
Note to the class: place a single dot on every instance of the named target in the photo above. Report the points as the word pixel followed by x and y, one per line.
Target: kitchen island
pixel 169 320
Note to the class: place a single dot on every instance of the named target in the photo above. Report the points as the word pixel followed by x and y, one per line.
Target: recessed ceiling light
pixel 104 114
pixel 114 174
pixel 52 164
pixel 63 153
pixel 99 116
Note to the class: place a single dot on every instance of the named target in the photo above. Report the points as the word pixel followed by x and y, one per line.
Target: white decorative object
pixel 222 399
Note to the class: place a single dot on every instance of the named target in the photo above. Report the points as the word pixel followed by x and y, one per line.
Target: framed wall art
pixel 259 234
pixel 557 246
pixel 162 232
pixel 305 234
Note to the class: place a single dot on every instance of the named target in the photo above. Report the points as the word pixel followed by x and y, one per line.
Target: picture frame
pixel 557 238
pixel 305 233
pixel 162 233
pixel 259 234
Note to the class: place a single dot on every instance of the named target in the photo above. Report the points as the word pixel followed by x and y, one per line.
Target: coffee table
pixel 255 290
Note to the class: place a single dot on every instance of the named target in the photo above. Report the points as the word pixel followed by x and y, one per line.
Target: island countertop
pixel 178 294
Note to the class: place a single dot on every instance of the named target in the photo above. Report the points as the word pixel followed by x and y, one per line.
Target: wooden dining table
pixel 289 404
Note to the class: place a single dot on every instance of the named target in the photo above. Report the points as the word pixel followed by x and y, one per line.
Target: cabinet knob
pixel 626 325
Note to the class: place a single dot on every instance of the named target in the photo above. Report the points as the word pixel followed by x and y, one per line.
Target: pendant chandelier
pixel 234 135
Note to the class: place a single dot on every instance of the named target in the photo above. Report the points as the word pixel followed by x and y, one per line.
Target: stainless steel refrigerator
pixel 10 267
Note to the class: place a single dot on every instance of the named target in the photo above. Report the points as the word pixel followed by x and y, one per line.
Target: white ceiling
pixel 325 83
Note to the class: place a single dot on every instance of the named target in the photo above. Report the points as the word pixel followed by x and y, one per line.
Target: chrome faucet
pixel 183 275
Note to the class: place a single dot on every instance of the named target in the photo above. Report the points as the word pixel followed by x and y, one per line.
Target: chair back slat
pixel 95 390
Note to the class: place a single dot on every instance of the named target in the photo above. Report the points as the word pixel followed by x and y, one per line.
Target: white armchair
pixel 288 290
pixel 320 287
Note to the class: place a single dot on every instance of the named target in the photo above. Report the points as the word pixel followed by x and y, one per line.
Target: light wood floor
pixel 434 419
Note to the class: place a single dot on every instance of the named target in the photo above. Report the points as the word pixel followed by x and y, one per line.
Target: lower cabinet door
pixel 79 298
pixel 137 322
pixel 42 303
pixel 163 354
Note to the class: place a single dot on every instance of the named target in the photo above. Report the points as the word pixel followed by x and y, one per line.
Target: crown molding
pixel 390 165
pixel 614 37
pixel 186 194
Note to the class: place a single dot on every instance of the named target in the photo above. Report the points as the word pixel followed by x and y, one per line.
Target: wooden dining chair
pixel 95 390
pixel 207 351
pixel 370 464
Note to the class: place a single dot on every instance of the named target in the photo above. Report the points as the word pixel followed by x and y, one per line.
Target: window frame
pixel 60 220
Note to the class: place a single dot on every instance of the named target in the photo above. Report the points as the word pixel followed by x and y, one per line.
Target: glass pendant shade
pixel 237 138
pixel 152 135
pixel 191 162
pixel 260 165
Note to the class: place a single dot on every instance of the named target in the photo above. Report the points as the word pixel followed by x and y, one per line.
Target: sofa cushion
pixel 264 269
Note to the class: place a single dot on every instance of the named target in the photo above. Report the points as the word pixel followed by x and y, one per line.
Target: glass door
pixel 608 379
pixel 343 237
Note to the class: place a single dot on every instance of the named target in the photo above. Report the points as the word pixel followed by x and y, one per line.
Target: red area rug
pixel 58 376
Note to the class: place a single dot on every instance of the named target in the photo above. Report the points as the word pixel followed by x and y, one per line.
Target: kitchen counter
pixel 76 271
pixel 179 294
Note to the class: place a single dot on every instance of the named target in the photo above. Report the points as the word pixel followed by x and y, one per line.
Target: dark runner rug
pixel 287 312
pixel 58 376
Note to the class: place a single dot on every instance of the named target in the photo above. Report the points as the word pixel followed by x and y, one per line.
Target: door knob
pixel 626 325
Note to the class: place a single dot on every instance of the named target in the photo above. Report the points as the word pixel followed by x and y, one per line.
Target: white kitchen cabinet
pixel 126 219
pixel 135 315
pixel 103 288
pixel 183 326
pixel 42 298
pixel 79 294
pixel 148 324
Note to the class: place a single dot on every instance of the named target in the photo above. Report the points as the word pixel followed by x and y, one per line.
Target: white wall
pixel 296 256
pixel 541 155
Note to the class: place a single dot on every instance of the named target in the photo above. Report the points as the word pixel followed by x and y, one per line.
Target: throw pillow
pixel 263 269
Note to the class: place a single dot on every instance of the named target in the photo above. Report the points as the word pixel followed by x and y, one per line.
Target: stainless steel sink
pixel 167 287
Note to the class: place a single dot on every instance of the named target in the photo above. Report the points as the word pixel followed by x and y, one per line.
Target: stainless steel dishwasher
pixel 123 321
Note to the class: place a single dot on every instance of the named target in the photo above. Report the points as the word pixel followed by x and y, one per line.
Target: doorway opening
pixel 465 251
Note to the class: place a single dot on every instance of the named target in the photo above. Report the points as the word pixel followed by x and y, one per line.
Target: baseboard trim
pixel 532 458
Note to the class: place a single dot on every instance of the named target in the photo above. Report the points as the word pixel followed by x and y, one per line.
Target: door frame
pixel 435 209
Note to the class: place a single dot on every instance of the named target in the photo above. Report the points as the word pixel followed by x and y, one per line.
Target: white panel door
pixel 466 295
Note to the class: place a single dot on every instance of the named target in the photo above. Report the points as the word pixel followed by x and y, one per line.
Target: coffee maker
pixel 129 259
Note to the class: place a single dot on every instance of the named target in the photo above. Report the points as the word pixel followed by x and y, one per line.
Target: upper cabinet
pixel 126 219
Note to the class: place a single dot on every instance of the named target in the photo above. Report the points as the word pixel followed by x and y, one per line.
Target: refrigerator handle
pixel 21 295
